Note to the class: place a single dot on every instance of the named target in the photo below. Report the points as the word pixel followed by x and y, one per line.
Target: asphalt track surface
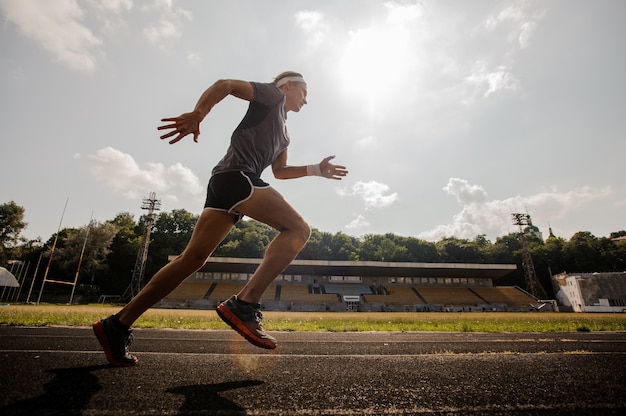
pixel 62 371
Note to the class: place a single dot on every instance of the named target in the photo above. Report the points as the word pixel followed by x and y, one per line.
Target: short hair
pixel 285 75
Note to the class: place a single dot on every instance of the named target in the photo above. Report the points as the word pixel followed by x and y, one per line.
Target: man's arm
pixel 220 90
pixel 282 170
pixel 189 123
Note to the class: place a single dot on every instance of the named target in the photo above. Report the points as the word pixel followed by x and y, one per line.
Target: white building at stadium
pixel 591 292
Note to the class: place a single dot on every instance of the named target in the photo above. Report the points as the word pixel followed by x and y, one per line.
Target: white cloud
pixel 494 80
pixel 359 222
pixel 374 194
pixel 464 192
pixel 115 6
pixel 510 13
pixel 161 31
pixel 479 215
pixel 526 31
pixel 193 58
pixel 168 26
pixel 403 13
pixel 120 172
pixel 57 27
pixel 110 14
pixel 512 28
pixel 313 24
pixel 519 22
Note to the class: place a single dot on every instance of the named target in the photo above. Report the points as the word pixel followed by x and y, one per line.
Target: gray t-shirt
pixel 262 134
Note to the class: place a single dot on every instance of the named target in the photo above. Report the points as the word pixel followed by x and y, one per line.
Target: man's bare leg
pixel 114 333
pixel 269 207
pixel 242 312
pixel 211 228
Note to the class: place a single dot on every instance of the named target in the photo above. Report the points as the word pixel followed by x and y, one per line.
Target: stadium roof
pixel 364 268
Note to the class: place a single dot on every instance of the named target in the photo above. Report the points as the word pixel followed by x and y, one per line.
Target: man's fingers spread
pixel 170 134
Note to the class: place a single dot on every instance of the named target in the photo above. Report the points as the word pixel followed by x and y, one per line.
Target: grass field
pixel 84 315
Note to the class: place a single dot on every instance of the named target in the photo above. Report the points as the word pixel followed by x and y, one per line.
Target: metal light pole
pixel 136 282
pixel 532 282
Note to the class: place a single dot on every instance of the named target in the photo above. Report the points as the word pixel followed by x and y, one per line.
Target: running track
pixel 61 371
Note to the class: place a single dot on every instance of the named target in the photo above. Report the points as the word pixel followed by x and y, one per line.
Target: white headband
pixel 285 80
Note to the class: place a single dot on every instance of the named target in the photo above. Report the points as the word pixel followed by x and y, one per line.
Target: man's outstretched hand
pixel 332 171
pixel 181 126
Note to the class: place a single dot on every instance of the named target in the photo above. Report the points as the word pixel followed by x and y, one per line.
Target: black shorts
pixel 229 189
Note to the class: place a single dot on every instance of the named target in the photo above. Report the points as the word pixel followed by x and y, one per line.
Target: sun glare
pixel 373 57
pixel 377 60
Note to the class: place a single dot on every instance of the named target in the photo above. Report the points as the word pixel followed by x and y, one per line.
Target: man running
pixel 235 189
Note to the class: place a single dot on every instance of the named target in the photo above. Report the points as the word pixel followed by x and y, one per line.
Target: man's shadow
pixel 71 390
pixel 66 394
pixel 205 398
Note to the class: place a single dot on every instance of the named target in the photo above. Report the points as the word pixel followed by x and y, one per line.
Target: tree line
pixel 107 251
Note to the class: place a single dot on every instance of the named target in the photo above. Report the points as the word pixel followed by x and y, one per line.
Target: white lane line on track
pixel 364 356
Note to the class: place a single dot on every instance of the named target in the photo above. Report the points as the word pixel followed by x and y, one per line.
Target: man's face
pixel 295 96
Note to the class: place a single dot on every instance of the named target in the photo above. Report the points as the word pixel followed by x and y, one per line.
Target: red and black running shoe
pixel 246 320
pixel 115 341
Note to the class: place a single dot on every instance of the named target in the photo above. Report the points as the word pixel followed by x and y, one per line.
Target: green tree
pixel 548 260
pixel 612 255
pixel 123 254
pixel 344 247
pixel 581 253
pixel 11 225
pixel 96 240
pixel 621 253
pixel 550 254
pixel 382 248
pixel 247 239
pixel 456 250
pixel 506 250
pixel 420 250
pixel 170 234
pixel 319 246
pixel 502 251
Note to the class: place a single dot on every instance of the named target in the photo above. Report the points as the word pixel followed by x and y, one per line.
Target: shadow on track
pixel 71 390
pixel 68 393
pixel 206 399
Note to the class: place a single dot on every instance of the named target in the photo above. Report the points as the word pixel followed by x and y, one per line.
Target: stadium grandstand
pixel 315 285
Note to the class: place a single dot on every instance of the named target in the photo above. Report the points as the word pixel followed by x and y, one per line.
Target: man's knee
pixel 193 259
pixel 304 232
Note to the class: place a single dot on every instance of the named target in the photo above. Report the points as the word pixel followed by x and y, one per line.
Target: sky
pixel 450 115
